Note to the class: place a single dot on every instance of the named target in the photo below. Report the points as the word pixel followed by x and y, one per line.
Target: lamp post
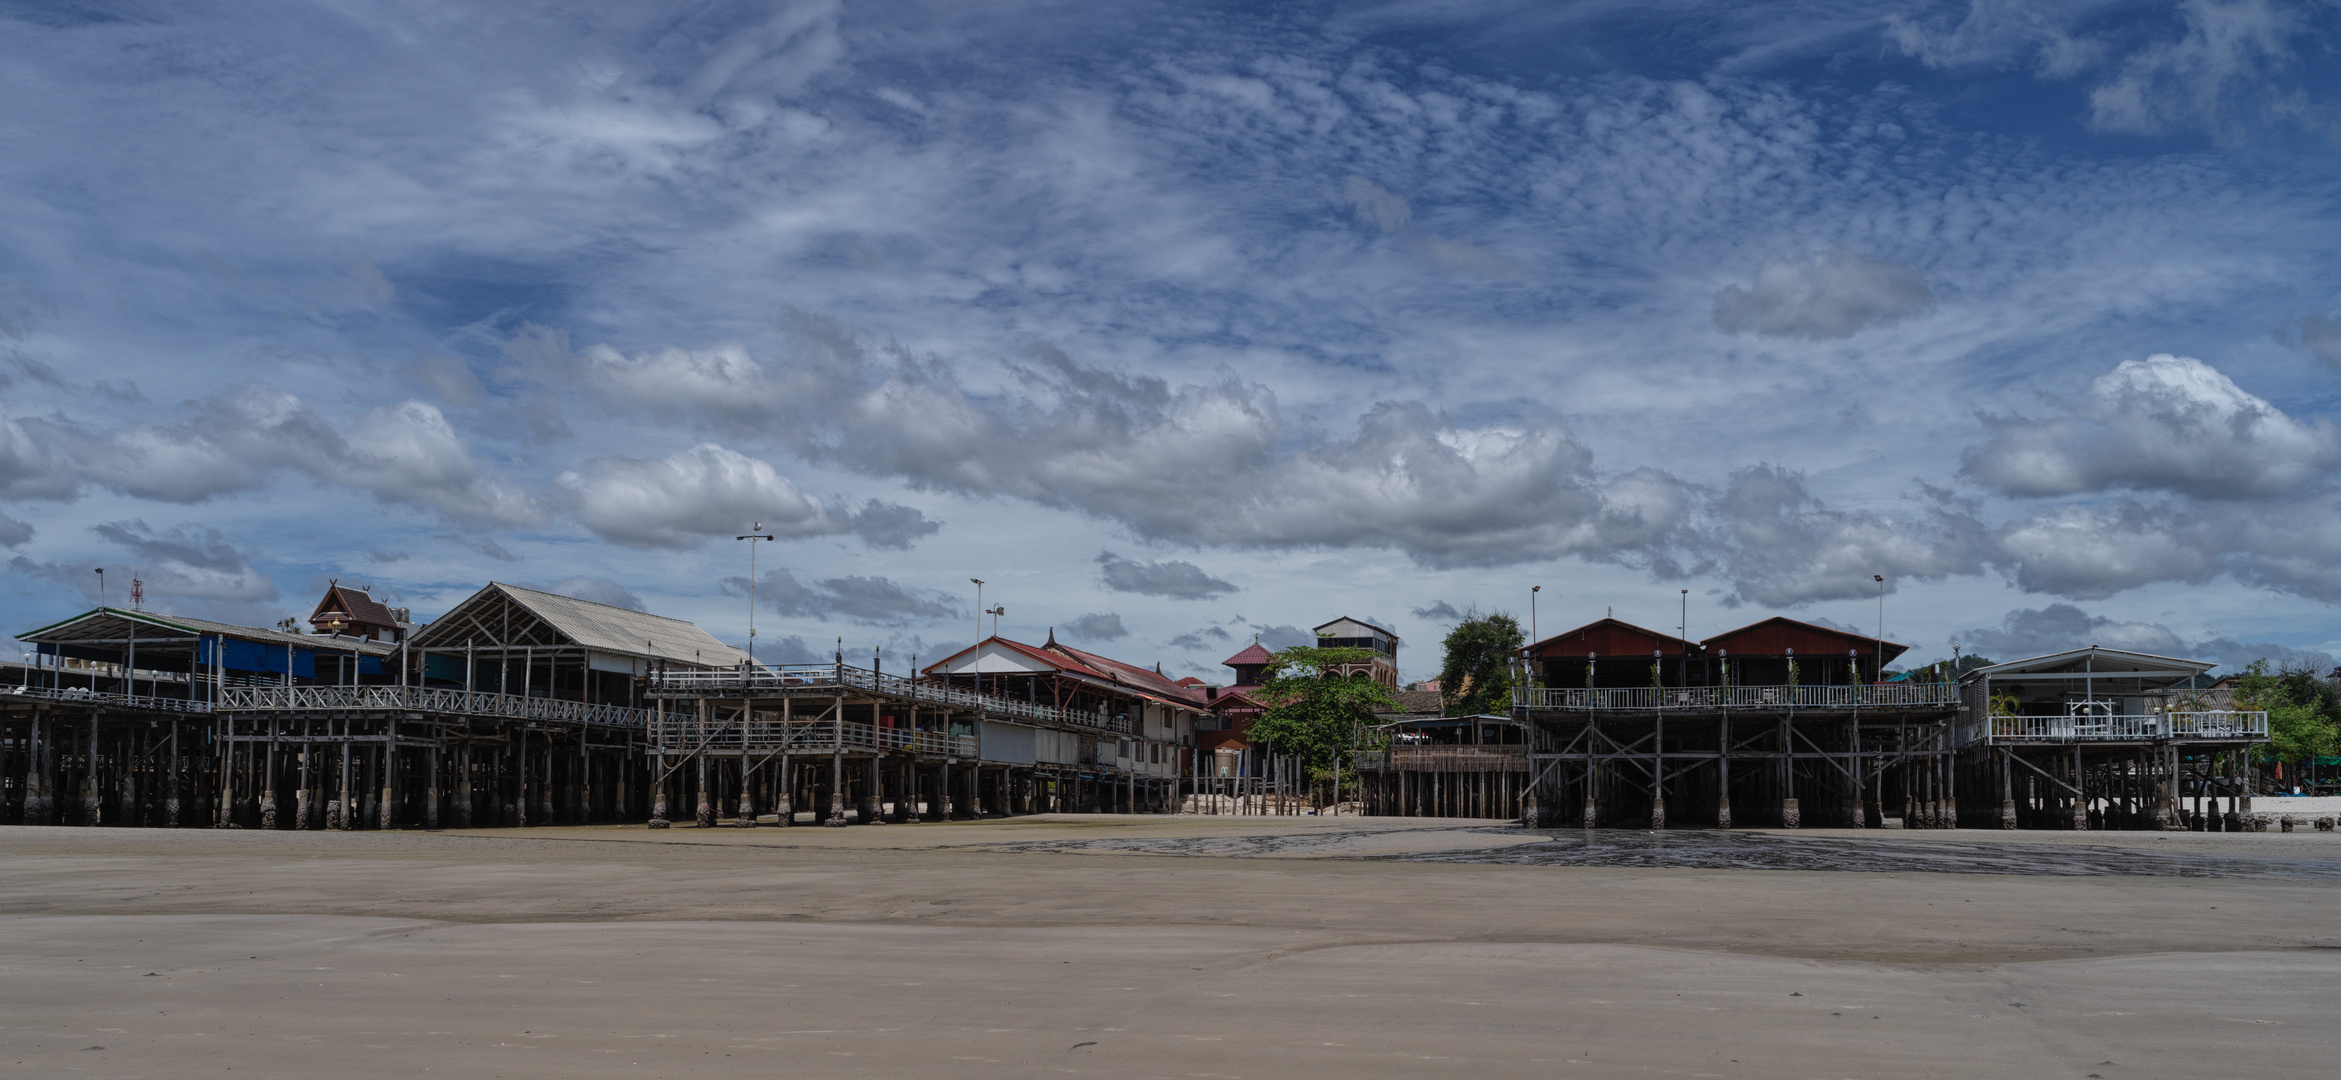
pixel 1530 660
pixel 1878 647
pixel 755 532
pixel 1682 633
pixel 979 607
pixel 101 586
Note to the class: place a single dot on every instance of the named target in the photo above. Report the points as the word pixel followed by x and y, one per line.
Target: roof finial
pixel 1052 635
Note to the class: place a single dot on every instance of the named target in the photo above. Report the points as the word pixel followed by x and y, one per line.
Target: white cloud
pixel 2167 423
pixel 405 453
pixel 2194 81
pixel 2092 553
pixel 1780 546
pixel 1834 294
pixel 708 491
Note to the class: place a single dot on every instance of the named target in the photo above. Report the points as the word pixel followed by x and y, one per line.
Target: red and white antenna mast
pixel 137 594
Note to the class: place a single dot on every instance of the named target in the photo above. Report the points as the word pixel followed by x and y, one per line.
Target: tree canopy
pixel 1314 714
pixel 2304 711
pixel 1477 677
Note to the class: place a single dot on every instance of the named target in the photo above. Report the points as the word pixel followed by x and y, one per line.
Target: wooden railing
pixel 687 733
pixel 421 699
pixel 1670 698
pixel 1457 759
pixel 815 679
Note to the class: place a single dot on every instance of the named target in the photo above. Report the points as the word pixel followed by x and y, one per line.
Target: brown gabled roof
pixel 1606 637
pixel 359 608
pixel 1774 635
pixel 1252 654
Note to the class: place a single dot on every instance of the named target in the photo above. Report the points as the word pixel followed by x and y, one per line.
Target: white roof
pixel 2099 661
pixel 614 630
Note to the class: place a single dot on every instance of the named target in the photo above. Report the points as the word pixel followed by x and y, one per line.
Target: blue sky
pixel 1180 323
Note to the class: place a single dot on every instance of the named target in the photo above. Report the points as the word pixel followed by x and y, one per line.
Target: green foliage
pixel 1313 713
pixel 2304 712
pixel 1481 651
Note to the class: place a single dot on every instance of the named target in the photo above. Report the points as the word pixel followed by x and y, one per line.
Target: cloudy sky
pixel 1180 323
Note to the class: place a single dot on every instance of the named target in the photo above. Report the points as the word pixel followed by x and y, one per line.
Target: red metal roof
pixel 1606 637
pixel 1779 634
pixel 1066 664
pixel 1138 678
pixel 1252 654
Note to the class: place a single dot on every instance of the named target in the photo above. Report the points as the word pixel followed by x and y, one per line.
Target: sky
pixel 1181 324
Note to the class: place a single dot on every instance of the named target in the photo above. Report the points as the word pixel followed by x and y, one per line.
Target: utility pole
pixel 755 532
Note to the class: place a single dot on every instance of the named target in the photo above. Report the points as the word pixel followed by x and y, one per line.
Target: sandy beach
pixel 1150 947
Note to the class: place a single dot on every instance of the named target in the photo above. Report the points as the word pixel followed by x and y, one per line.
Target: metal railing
pixel 2100 727
pixel 78 696
pixel 1654 699
pixel 683 733
pixel 422 699
pixel 819 678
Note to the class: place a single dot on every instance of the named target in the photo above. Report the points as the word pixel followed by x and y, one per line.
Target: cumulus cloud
pixel 2168 423
pixel 1172 578
pixel 708 490
pixel 2028 632
pixel 187 569
pixel 2317 335
pixel 2090 553
pixel 402 453
pixel 1211 464
pixel 1779 545
pixel 1834 294
pixel 14 533
pixel 189 561
pixel 1095 627
pixel 875 601
pixel 600 590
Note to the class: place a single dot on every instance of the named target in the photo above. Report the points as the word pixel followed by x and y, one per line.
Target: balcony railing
pixel 815 679
pixel 78 696
pixel 686 733
pixel 422 699
pixel 1686 698
pixel 2101 727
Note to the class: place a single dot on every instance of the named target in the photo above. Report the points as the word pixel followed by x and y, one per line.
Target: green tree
pixel 1477 677
pixel 2304 712
pixel 1314 713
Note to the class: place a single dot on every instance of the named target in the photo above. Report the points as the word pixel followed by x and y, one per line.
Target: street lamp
pixel 1878 655
pixel 979 608
pixel 101 587
pixel 1530 660
pixel 1682 632
pixel 755 532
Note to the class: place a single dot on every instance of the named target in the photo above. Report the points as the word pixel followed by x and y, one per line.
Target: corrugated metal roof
pixel 106 624
pixel 1145 680
pixel 603 628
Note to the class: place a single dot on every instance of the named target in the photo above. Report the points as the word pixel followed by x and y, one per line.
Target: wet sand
pixel 1166 947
